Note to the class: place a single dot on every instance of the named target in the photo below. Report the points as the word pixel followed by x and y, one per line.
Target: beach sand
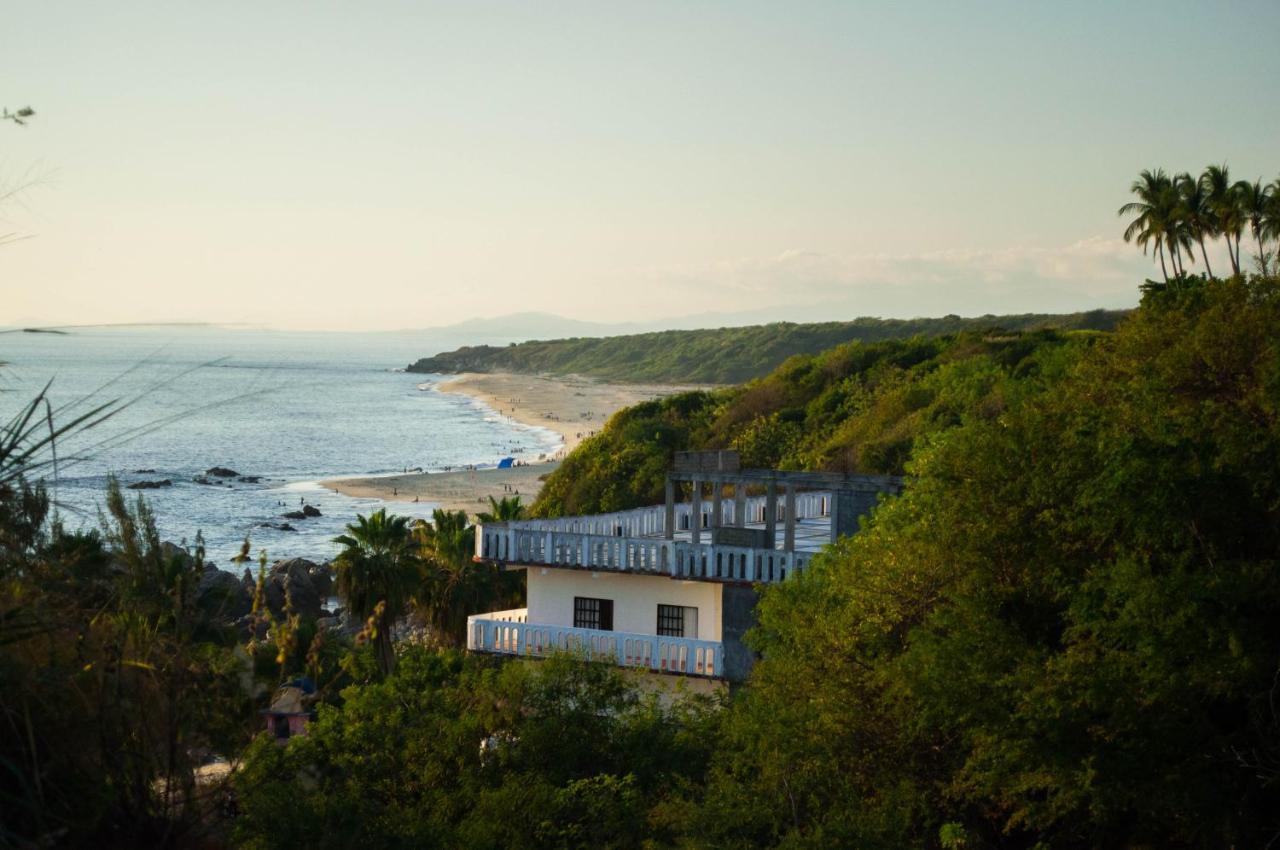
pixel 572 406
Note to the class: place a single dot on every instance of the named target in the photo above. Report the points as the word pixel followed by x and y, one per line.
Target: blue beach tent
pixel 506 463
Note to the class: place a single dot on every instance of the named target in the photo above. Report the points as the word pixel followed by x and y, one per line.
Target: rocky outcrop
pixel 278 526
pixel 322 579
pixel 221 472
pixel 151 485
pixel 305 583
pixel 223 595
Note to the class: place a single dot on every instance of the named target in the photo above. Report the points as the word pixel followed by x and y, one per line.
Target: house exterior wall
pixel 635 599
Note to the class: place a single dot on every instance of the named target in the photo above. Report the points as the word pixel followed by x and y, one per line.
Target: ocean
pixel 288 408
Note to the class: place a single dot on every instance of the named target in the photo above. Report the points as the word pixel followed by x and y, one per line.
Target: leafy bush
pixel 1062 634
pixel 455 750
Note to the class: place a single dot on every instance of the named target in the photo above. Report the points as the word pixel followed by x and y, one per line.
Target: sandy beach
pixel 574 407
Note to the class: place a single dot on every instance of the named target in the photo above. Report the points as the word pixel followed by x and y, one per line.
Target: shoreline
pixel 572 407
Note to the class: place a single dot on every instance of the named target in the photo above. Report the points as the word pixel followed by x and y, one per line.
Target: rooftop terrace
pixel 726 534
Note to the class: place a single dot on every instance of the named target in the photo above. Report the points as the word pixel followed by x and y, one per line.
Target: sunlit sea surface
pixel 290 408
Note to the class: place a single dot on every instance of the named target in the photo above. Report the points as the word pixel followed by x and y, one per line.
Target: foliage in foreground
pixel 1064 633
pixel 114 680
pixel 457 751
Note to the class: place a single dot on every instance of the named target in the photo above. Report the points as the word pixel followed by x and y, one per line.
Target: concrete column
pixel 670 531
pixel 789 526
pixel 833 511
pixel 695 518
pixel 739 504
pixel 717 508
pixel 771 512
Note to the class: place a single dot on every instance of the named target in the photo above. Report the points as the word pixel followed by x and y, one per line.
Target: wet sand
pixel 573 407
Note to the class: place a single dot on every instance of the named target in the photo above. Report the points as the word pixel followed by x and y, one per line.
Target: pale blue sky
pixel 383 165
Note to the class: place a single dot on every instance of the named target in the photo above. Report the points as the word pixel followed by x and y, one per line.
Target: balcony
pixel 508 633
pixel 678 559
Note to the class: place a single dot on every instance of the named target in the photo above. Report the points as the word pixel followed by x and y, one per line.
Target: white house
pixel 654 588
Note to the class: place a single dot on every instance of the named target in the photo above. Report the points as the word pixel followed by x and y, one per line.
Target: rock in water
pixel 278 526
pixel 294 515
pixel 151 485
pixel 221 472
pixel 311 510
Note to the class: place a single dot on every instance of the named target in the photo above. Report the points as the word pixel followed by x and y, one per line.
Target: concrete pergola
pixel 851 497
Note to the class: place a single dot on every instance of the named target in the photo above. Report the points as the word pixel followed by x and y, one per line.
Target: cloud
pixel 1090 273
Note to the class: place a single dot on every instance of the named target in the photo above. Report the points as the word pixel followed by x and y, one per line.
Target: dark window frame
pixel 671 621
pixel 590 612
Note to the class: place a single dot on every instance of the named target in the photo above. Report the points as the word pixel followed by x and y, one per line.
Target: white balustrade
pixel 507 542
pixel 651 521
pixel 503 634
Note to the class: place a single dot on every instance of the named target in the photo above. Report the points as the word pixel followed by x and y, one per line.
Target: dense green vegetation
pixel 725 355
pixel 855 408
pixel 458 751
pixel 1063 634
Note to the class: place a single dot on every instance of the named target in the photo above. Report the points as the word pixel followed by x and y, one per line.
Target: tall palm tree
pixel 1155 213
pixel 1195 214
pixel 1255 199
pixel 1224 201
pixel 1270 229
pixel 452 585
pixel 377 572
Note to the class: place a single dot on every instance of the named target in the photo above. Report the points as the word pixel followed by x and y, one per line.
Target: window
pixel 677 621
pixel 591 613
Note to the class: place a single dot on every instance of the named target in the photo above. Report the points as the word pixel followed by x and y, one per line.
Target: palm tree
pixel 1271 213
pixel 507 509
pixel 377 572
pixel 1224 201
pixel 448 538
pixel 1255 201
pixel 1155 209
pixel 452 586
pixel 1195 214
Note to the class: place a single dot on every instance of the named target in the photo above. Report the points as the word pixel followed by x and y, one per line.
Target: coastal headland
pixel 572 406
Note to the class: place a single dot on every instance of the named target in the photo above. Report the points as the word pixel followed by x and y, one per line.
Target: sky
pixel 387 165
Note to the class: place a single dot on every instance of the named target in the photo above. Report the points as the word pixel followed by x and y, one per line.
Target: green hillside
pixel 859 407
pixel 726 355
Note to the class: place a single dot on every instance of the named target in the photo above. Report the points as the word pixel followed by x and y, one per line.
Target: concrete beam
pixel 695 514
pixel 669 529
pixel 789 522
pixel 771 512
